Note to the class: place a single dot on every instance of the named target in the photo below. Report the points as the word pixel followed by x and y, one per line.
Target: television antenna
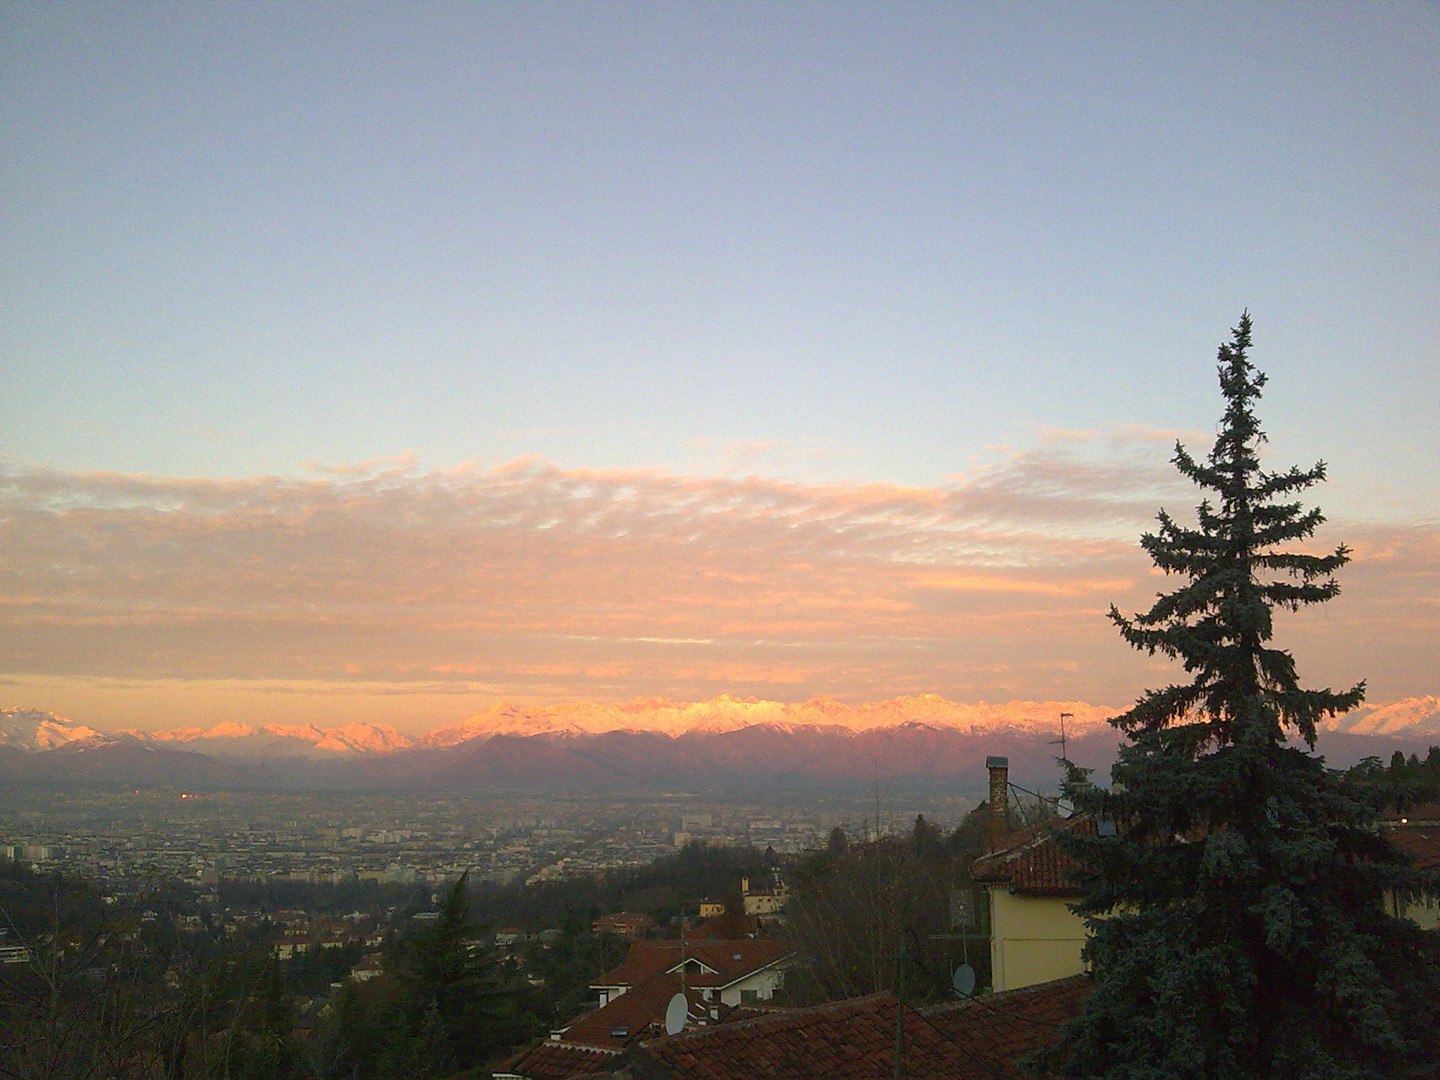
pixel 1064 756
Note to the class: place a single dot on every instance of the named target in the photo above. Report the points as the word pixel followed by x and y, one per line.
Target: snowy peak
pixel 1417 716
pixel 726 713
pixel 246 742
pixel 35 729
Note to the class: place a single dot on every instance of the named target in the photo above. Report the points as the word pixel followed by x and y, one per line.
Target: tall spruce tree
pixel 1237 912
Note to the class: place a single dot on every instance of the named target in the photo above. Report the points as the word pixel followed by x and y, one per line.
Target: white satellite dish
pixel 675 1015
pixel 964 980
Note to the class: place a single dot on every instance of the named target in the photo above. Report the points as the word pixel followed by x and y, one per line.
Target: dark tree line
pixel 1399 786
pixel 119 990
pixel 663 889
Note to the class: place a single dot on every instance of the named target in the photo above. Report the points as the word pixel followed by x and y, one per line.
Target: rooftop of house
pixel 1421 843
pixel 728 925
pixel 650 974
pixel 979 1039
pixel 629 923
pixel 709 962
pixel 557 1061
pixel 593 1040
pixel 1033 861
pixel 638 1014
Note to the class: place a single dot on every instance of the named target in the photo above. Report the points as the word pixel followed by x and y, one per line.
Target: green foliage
pixel 270 894
pixel 663 889
pixel 1237 921
pixel 443 1010
pixel 567 965
pixel 1404 783
pixel 119 989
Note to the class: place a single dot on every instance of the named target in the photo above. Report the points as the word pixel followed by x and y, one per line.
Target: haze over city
pixel 386 362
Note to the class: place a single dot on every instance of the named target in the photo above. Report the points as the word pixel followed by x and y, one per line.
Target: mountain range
pixel 649 744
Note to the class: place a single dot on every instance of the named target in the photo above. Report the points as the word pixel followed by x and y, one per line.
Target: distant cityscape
pixel 204 838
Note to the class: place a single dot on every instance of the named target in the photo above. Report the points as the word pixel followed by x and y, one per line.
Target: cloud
pixel 541 582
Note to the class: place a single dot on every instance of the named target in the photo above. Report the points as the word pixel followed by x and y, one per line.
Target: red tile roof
pixel 725 926
pixel 1011 1026
pixel 643 961
pixel 629 923
pixel 724 961
pixel 1033 862
pixel 1421 843
pixel 980 1039
pixel 850 1039
pixel 557 1061
pixel 590 1042
pixel 640 1013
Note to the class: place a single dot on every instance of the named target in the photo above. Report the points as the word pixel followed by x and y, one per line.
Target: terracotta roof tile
pixel 1033 861
pixel 981 1039
pixel 851 1039
pixel 640 1013
pixel 558 1061
pixel 728 925
pixel 643 961
pixel 1421 843
pixel 590 1042
pixel 727 960
pixel 1011 1026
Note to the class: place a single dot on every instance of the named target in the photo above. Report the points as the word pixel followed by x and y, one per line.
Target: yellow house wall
pixel 1033 939
pixel 1424 912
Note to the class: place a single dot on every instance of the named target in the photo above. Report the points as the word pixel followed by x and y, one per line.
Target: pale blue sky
pixel 813 311
pixel 240 238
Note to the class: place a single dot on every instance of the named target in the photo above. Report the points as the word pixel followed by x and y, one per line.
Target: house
pixel 1029 878
pixel 762 901
pixel 726 971
pixel 627 924
pixel 1034 936
pixel 593 1041
pixel 1417 834
pixel 868 1038
pixel 293 945
pixel 718 978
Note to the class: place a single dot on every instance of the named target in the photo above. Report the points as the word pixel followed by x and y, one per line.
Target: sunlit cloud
pixel 537 582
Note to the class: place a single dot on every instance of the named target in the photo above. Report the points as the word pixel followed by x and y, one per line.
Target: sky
pixel 383 361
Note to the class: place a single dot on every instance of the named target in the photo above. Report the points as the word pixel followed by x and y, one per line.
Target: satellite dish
pixel 676 1012
pixel 964 980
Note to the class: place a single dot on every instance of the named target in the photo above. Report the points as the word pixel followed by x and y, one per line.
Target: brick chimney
pixel 999 800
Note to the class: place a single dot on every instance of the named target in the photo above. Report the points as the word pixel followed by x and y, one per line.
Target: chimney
pixel 999 800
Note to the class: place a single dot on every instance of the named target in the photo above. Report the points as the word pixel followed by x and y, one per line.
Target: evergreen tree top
pixel 1220 623
pixel 1237 912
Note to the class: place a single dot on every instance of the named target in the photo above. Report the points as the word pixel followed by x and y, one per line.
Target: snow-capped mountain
pixel 1409 717
pixel 245 742
pixel 35 729
pixel 726 713
pixel 726 733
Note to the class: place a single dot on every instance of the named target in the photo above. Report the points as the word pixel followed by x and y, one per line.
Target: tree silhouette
pixel 1237 924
